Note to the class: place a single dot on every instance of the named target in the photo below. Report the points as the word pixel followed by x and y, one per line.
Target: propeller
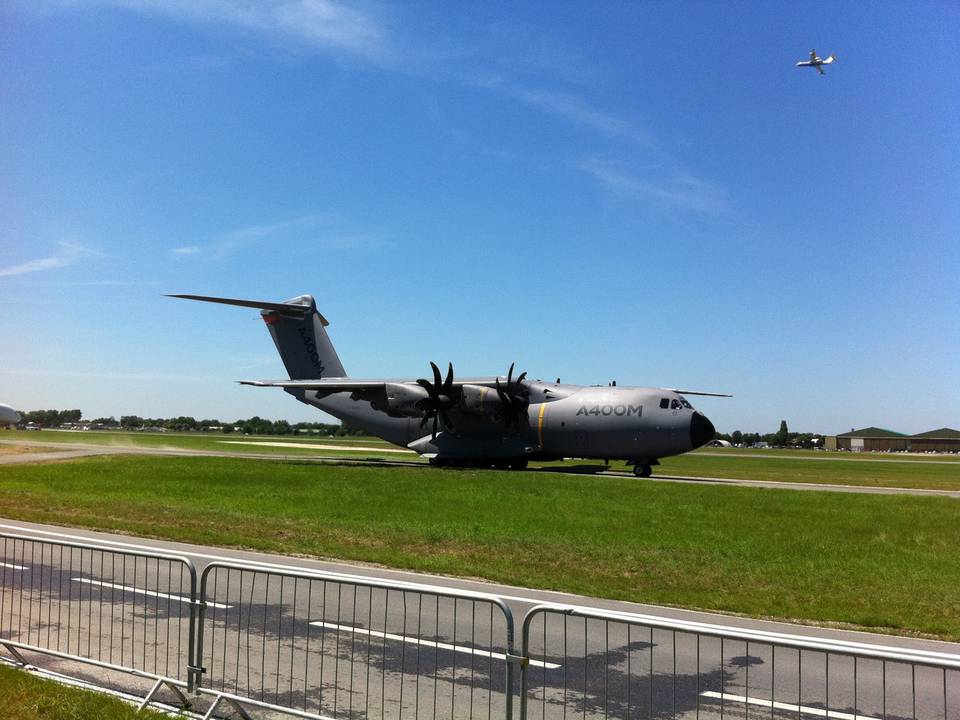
pixel 514 398
pixel 441 396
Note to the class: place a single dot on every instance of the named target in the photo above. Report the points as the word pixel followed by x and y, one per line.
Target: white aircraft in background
pixel 816 62
pixel 8 416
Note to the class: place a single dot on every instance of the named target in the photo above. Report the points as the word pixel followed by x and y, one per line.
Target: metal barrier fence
pixel 325 645
pixel 132 612
pixel 610 664
pixel 334 646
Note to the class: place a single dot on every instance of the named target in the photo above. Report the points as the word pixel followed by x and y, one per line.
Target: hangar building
pixel 942 440
pixel 873 439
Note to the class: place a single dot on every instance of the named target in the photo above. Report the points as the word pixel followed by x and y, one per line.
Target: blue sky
pixel 646 192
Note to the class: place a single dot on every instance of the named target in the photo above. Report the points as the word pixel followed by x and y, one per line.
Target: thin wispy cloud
pixel 309 25
pixel 292 230
pixel 256 232
pixel 320 230
pixel 68 254
pixel 146 377
pixel 665 180
pixel 574 108
pixel 96 283
pixel 673 188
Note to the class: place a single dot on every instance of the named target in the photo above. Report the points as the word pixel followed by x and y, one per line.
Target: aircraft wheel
pixel 642 470
pixel 518 464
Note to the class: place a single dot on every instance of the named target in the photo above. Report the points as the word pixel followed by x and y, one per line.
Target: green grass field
pixel 883 562
pixel 27 697
pixel 802 466
pixel 823 468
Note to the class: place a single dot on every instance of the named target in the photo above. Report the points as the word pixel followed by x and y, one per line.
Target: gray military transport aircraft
pixel 480 422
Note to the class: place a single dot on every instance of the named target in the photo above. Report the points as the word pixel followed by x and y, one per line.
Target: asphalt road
pixel 363 641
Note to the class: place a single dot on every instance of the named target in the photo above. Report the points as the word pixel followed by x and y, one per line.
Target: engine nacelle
pixel 481 400
pixel 403 400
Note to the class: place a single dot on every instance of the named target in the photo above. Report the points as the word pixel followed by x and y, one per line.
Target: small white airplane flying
pixel 816 62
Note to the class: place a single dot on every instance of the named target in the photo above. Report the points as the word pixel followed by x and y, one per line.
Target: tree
pixel 736 437
pixel 783 435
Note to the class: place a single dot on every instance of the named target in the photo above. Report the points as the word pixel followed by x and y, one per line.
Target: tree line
pixel 782 438
pixel 261 426
pixel 250 426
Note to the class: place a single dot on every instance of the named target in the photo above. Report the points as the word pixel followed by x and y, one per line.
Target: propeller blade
pixel 425 384
pixel 448 383
pixel 522 376
pixel 504 398
pixel 510 375
pixel 445 419
pixel 435 425
pixel 437 383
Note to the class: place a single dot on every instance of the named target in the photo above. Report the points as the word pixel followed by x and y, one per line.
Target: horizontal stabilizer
pixel 697 392
pixel 293 309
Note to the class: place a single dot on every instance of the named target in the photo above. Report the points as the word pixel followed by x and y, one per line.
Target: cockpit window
pixel 687 405
pixel 675 404
pixel 664 403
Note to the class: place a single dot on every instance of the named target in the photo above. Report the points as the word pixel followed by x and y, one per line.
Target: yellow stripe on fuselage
pixel 543 409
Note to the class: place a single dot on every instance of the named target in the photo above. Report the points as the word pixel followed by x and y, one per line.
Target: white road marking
pixel 140 591
pixel 819 712
pixel 15 567
pixel 424 643
pixel 313 446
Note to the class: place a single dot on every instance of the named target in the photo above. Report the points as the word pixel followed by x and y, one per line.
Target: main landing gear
pixel 644 468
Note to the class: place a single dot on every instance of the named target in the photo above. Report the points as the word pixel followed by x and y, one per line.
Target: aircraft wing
pixel 697 392
pixel 820 70
pixel 360 388
pixel 334 385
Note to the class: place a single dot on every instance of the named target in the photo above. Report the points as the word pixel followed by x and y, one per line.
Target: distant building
pixel 942 440
pixel 873 439
pixel 719 443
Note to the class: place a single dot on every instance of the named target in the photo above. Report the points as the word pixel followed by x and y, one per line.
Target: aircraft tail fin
pixel 298 332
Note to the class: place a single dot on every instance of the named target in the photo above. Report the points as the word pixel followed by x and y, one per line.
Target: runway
pixel 68 451
pixel 420 652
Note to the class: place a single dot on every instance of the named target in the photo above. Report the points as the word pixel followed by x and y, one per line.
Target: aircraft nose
pixel 701 430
